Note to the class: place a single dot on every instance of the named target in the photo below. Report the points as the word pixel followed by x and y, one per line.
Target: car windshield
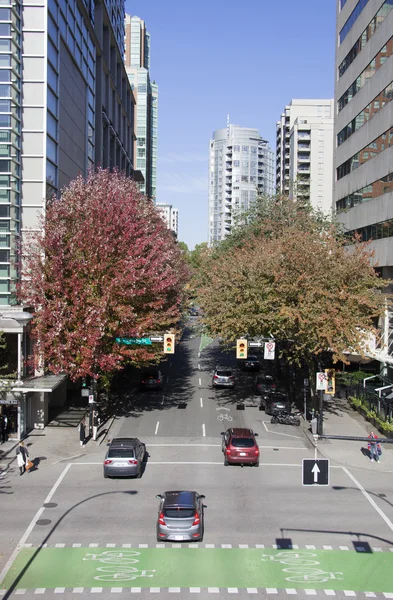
pixel 179 513
pixel 226 373
pixel 121 453
pixel 243 442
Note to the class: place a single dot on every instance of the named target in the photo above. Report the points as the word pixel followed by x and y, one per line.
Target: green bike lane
pixel 167 567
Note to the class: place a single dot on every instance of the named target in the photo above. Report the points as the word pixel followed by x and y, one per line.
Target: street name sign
pixel 129 341
pixel 316 471
pixel 269 350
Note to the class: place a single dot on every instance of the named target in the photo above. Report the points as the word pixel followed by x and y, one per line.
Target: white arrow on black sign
pixel 316 471
pixel 255 344
pixel 157 339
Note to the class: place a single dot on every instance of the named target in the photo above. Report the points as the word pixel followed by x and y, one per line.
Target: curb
pixel 106 431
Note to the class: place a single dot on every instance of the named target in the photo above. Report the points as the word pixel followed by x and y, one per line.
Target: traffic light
pixel 241 348
pixel 169 343
pixel 330 381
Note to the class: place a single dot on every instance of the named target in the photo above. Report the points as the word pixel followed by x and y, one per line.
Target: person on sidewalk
pixel 22 454
pixel 82 432
pixel 373 447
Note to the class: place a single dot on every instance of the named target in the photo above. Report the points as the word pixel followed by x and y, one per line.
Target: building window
pixel 369 192
pixel 352 19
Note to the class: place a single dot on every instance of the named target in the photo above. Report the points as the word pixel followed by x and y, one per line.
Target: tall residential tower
pixel 304 152
pixel 137 61
pixel 241 166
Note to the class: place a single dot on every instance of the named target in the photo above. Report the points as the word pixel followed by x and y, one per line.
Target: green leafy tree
pixel 291 275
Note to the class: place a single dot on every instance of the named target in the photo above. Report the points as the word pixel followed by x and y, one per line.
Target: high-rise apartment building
pixel 65 104
pixel 137 61
pixel 170 216
pixel 363 130
pixel 241 166
pixel 304 152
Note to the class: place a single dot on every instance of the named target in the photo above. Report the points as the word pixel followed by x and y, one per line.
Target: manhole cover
pixel 182 405
pixel 43 522
pixel 50 505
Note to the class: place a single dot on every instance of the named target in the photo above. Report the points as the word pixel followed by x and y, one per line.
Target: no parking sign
pixel 321 381
pixel 269 350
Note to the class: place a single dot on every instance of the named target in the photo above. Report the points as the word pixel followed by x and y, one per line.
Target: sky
pixel 214 58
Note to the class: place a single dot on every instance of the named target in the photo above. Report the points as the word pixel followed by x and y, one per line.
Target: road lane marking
pixel 200 381
pixel 158 424
pixel 199 367
pixel 203 430
pixel 297 437
pixel 163 399
pixel 30 528
pixel 201 402
pixel 368 497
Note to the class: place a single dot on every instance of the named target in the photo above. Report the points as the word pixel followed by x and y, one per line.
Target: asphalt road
pixel 265 533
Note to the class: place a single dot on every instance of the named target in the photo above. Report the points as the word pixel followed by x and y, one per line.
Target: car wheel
pixel 106 476
pixel 274 420
pixel 226 463
pixel 160 539
pixel 139 474
pixel 256 464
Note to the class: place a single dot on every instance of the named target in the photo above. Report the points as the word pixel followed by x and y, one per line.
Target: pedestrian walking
pixel 22 455
pixel 82 432
pixel 373 447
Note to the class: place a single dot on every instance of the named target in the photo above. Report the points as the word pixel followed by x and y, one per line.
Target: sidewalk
pixel 341 419
pixel 54 445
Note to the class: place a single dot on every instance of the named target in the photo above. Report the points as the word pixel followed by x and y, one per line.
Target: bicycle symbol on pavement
pixel 117 566
pixel 302 567
pixel 223 416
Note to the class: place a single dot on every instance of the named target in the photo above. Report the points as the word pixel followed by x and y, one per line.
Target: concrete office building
pixel 137 61
pixel 170 216
pixel 363 130
pixel 65 105
pixel 304 152
pixel 241 166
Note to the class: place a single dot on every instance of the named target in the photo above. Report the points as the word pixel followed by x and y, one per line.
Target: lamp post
pixel 22 319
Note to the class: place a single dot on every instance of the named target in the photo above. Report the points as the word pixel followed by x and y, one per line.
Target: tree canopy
pixel 103 265
pixel 289 273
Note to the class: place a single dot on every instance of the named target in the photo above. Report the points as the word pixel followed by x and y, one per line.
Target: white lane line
pixel 200 381
pixel 163 399
pixel 203 430
pixel 201 402
pixel 179 462
pixel 29 529
pixel 199 367
pixel 185 445
pixel 368 497
pixel 298 437
pixel 157 426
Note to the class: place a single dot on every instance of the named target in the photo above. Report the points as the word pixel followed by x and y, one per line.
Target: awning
pixel 45 383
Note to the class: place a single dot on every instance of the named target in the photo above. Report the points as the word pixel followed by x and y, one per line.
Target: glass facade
pixel 369 192
pixel 371 28
pixel 376 231
pixel 368 152
pixel 352 19
pixel 366 114
pixel 10 145
pixel 116 14
pixel 366 74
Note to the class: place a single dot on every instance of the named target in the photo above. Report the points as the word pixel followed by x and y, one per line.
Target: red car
pixel 240 447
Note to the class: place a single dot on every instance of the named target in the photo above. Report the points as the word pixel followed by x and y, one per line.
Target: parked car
pixel 124 458
pixel 240 447
pixel 263 384
pixel 275 401
pixel 151 379
pixel 223 377
pixel 180 516
pixel 251 363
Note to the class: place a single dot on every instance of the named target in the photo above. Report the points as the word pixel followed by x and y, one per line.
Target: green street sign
pixel 126 341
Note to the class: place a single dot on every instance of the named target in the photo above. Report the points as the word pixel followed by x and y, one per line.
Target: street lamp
pixel 22 319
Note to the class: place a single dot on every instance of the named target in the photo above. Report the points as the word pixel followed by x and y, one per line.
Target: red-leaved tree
pixel 103 265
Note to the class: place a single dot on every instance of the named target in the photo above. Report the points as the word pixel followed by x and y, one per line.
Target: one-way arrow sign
pixel 255 344
pixel 316 471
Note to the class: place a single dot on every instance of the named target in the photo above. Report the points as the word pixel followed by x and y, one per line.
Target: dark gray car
pixel 180 516
pixel 124 458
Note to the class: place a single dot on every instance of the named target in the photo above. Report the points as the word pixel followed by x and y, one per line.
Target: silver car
pixel 180 517
pixel 125 458
pixel 223 377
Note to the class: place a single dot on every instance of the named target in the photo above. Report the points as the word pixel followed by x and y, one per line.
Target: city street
pixel 265 533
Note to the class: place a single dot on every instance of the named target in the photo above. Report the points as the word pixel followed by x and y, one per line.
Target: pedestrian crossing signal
pixel 169 343
pixel 330 381
pixel 241 348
